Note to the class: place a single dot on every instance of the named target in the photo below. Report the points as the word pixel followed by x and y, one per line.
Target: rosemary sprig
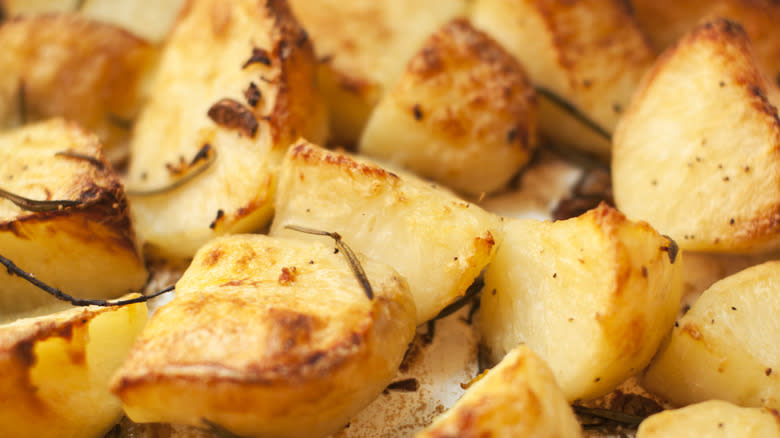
pixel 79 156
pixel 13 269
pixel 616 417
pixel 36 205
pixel 574 112
pixel 354 263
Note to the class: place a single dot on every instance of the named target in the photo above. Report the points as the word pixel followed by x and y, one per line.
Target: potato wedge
pixel 665 22
pixel 269 337
pixel 724 347
pixel 696 154
pixel 463 113
pixel 87 249
pixel 56 370
pixel 590 55
pixel 713 418
pixel 438 242
pixel 69 66
pixel 236 79
pixel 364 45
pixel 593 296
pixel 518 397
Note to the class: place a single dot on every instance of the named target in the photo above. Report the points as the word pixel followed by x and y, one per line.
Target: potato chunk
pixel 696 154
pixel 518 397
pixel 67 65
pixel 593 296
pixel 462 114
pixel 590 55
pixel 87 249
pixel 365 45
pixel 237 79
pixel 666 21
pixel 726 345
pixel 713 418
pixel 437 241
pixel 56 370
pixel 269 337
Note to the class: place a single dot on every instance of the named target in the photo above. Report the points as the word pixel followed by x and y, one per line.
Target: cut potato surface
pixel 236 85
pixel 56 370
pixel 67 65
pixel 712 419
pixel 364 45
pixel 697 153
pixel 462 114
pixel 590 54
pixel 593 296
pixel 518 397
pixel 269 337
pixel 726 346
pixel 437 241
pixel 87 249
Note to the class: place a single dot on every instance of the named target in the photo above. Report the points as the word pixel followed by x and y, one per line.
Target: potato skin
pixel 593 296
pixel 437 241
pixel 725 347
pixel 268 337
pixel 89 249
pixel 704 173
pixel 462 114
pixel 56 370
pixel 518 397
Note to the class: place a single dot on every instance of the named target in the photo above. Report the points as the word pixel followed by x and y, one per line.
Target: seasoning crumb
pixel 417 112
pixel 768 372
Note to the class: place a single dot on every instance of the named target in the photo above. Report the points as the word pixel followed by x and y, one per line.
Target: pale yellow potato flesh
pixel 725 347
pixel 364 46
pixel 56 370
pixel 593 296
pixel 269 337
pixel 463 113
pixel 518 397
pixel 696 154
pixel 437 241
pixel 257 57
pixel 714 418
pixel 590 54
pixel 88 250
pixel 149 19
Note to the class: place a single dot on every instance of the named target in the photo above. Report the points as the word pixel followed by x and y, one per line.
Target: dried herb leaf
pixel 35 205
pixel 205 157
pixel 354 263
pixel 13 269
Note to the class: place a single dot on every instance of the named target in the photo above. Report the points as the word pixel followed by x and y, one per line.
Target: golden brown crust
pixel 70 66
pixel 91 182
pixel 313 155
pixel 504 90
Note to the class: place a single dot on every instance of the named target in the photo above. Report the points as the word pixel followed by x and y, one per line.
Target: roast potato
pixel 69 66
pixel 587 56
pixel 665 22
pixel 269 337
pixel 438 242
pixel 56 370
pixel 593 296
pixel 236 83
pixel 696 153
pixel 518 397
pixel 714 418
pixel 463 113
pixel 724 347
pixel 364 46
pixel 87 247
